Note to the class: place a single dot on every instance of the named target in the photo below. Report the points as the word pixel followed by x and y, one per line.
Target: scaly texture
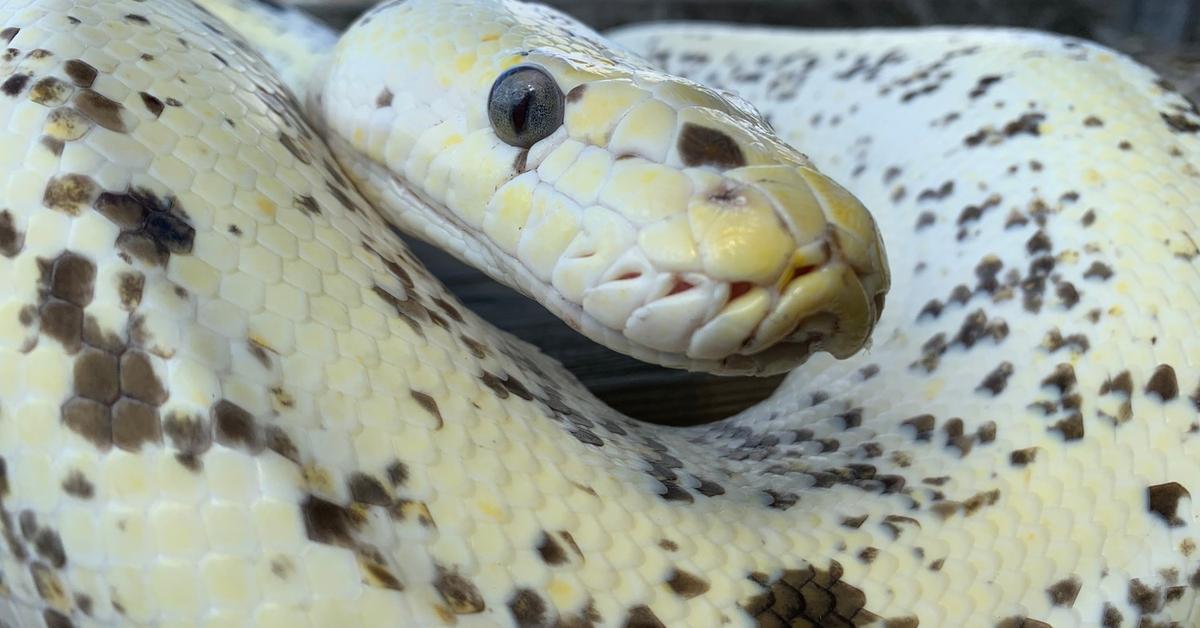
pixel 229 396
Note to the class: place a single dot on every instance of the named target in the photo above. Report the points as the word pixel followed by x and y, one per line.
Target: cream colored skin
pixel 309 430
pixel 745 269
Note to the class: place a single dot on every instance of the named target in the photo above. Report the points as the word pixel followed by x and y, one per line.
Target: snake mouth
pixel 807 275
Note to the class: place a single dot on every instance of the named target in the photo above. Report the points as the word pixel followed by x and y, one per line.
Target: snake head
pixel 661 218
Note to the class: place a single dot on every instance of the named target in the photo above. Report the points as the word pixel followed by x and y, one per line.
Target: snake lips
pixel 657 216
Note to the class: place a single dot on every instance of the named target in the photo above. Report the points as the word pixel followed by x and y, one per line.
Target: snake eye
pixel 525 105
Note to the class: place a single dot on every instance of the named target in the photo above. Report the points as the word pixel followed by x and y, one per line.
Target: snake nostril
pixel 628 275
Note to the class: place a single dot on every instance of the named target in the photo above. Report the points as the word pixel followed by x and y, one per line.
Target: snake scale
pixel 229 395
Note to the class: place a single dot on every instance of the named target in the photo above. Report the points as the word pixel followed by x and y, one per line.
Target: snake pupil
pixel 520 113
pixel 525 105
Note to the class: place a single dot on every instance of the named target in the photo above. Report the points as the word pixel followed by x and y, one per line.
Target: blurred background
pixel 1164 34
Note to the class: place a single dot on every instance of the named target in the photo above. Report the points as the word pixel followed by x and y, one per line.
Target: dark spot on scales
pixel 365 489
pixel 14 84
pixel 551 551
pixel 152 229
pixel 642 617
pixel 1163 383
pixel 527 608
pixel 460 594
pixel 430 406
pixel 101 110
pixel 686 585
pixel 234 426
pixel 80 72
pixel 152 103
pixel 327 522
pixel 11 240
pixel 76 484
pixel 1064 592
pixel 384 99
pixel 699 146
pixel 1163 501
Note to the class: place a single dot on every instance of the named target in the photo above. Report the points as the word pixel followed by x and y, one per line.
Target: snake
pixel 231 396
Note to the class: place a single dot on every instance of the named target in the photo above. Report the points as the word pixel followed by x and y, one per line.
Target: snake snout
pixel 804 261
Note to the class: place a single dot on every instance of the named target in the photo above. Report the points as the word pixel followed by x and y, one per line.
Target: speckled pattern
pixel 229 396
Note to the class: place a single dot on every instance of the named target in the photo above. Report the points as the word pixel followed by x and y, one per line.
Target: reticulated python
pixel 230 396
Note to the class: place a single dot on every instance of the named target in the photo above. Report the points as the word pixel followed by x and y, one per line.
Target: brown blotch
pixel 384 99
pixel 430 406
pixel 642 617
pixel 699 146
pixel 460 594
pixel 49 91
pixel 234 426
pixel 14 85
pixel 70 193
pixel 55 619
pixel 101 110
pixel 130 289
pixel 686 585
pixel 326 522
pixel 295 149
pixel 97 376
pixel 77 484
pixel 138 379
pixel 1163 500
pixel 281 443
pixel 73 279
pixel 1163 383
pixel 49 546
pixel 55 146
pixel 367 490
pixel 307 203
pixel 1148 600
pixel 80 72
pixel 668 545
pixel 996 380
pixel 1019 621
pixel 152 103
pixel 90 420
pixel 190 435
pixel 9 33
pixel 1179 123
pixel 379 575
pixel 1098 270
pixel 11 240
pixel 1064 592
pixel 853 522
pixel 1022 457
pixel 527 608
pixel 397 473
pixel 135 423
pixel 63 322
pixel 551 551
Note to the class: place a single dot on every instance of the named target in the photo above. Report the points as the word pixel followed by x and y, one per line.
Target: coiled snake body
pixel 230 396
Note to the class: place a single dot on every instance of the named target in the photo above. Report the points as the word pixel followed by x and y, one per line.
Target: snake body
pixel 230 396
